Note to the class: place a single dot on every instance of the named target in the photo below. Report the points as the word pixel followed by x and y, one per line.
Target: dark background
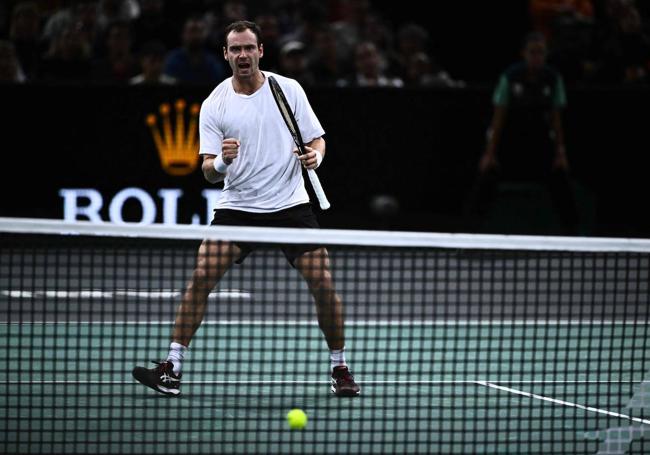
pixel 420 146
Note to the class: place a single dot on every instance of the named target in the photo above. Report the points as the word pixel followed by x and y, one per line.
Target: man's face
pixel 535 54
pixel 243 53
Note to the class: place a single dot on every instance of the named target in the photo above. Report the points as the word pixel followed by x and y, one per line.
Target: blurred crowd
pixel 319 43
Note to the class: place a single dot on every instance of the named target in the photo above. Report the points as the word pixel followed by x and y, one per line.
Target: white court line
pixel 153 294
pixel 360 323
pixel 562 402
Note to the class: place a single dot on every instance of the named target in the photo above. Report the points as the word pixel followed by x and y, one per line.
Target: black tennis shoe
pixel 343 384
pixel 162 378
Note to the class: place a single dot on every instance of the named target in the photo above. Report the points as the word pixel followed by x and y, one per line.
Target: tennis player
pixel 245 142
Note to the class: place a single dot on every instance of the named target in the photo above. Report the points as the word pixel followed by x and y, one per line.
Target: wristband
pixel 319 158
pixel 219 165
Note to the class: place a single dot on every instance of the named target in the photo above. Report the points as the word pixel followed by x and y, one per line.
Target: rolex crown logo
pixel 177 147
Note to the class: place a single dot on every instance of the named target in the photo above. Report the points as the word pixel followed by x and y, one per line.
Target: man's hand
pixel 229 150
pixel 311 159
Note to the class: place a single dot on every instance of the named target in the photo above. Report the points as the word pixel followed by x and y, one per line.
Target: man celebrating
pixel 245 143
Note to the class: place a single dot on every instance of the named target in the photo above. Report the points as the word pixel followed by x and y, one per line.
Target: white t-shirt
pixel 266 176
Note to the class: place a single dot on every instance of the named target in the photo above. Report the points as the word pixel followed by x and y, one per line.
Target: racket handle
pixel 318 189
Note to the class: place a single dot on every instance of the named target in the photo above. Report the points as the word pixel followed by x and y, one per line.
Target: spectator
pixel 412 39
pixel 110 11
pixel 192 63
pixel 84 14
pixel 10 70
pixel 152 57
pixel 153 25
pixel 369 72
pixel 24 33
pixel 624 46
pixel 526 138
pixel 568 26
pixel 119 65
pixel 293 63
pixel 311 17
pixel 270 28
pixel 218 17
pixel 421 71
pixel 545 14
pixel 68 58
pixel 325 62
pixel 351 25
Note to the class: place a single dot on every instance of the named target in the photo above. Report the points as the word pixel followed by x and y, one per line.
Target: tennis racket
pixel 292 125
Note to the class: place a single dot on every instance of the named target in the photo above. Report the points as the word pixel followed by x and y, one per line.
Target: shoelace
pixel 162 366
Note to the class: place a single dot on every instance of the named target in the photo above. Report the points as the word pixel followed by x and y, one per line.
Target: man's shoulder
pixel 218 92
pixel 285 82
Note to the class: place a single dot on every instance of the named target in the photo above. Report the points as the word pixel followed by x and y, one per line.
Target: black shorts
pixel 299 216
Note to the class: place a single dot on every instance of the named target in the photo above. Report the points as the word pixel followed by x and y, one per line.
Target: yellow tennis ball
pixel 297 419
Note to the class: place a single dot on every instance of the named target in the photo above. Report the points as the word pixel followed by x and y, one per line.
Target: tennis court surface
pixel 460 343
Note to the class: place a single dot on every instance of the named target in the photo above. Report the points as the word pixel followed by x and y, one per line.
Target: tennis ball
pixel 297 419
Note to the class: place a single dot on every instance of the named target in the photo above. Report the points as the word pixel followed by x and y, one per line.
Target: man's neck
pixel 250 85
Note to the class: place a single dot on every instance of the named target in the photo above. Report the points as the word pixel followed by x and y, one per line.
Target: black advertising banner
pixel 130 154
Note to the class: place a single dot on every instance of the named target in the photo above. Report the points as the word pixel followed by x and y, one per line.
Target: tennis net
pixel 460 343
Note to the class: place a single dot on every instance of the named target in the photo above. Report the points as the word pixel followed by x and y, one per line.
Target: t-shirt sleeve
pixel 501 96
pixel 210 135
pixel 559 97
pixel 310 127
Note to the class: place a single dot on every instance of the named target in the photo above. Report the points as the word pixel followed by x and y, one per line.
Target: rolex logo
pixel 177 146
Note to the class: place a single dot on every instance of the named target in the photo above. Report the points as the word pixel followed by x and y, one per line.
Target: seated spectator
pixel 24 33
pixel 545 14
pixel 421 71
pixel 119 65
pixel 84 14
pixel 10 70
pixel 325 62
pixel 69 56
pixel 624 46
pixel 568 26
pixel 153 25
pixel 270 29
pixel 110 11
pixel 293 63
pixel 192 63
pixel 370 71
pixel 152 56
pixel 411 40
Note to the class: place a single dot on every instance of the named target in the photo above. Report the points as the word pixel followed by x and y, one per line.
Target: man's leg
pixel 314 266
pixel 213 260
pixel 315 269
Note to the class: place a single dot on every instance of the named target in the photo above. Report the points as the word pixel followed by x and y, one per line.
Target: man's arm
pixel 209 172
pixel 311 159
pixel 229 152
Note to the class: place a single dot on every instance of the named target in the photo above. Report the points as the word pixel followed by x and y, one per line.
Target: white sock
pixel 337 358
pixel 176 355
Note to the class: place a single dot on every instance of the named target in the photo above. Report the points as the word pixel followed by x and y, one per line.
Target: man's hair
pixel 241 26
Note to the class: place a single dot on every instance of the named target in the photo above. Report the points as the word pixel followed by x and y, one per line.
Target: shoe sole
pixel 162 390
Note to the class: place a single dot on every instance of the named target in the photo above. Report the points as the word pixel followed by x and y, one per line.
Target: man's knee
pixel 205 276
